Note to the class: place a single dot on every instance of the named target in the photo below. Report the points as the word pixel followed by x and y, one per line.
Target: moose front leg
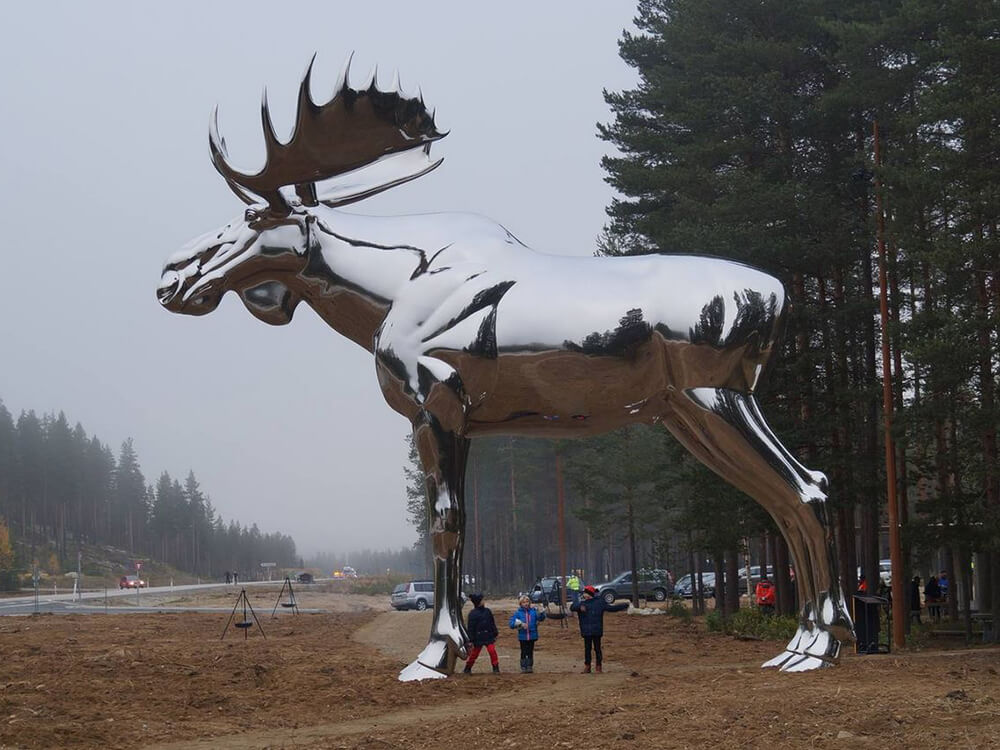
pixel 443 455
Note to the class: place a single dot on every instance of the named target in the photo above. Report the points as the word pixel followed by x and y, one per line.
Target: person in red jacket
pixel 765 595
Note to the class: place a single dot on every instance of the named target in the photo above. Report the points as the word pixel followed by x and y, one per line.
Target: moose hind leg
pixel 726 431
pixel 443 455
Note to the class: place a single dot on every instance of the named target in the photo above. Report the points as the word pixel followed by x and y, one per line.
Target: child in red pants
pixel 482 629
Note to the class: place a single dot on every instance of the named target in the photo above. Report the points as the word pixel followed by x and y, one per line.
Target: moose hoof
pixel 417 671
pixel 810 648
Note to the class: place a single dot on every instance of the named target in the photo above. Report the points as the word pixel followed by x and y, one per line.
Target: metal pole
pixel 895 548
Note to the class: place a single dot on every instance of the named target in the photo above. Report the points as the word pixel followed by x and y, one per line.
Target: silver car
pixel 417 595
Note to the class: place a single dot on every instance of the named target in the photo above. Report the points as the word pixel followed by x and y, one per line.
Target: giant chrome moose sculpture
pixel 476 334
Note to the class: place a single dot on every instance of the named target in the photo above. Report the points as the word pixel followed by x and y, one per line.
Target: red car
pixel 131 582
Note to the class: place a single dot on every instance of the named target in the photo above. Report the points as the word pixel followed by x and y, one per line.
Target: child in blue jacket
pixel 525 620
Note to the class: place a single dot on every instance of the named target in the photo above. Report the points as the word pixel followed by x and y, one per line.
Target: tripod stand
pixel 560 614
pixel 243 624
pixel 291 603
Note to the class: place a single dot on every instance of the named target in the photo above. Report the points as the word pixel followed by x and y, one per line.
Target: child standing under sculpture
pixel 525 620
pixel 482 629
pixel 590 611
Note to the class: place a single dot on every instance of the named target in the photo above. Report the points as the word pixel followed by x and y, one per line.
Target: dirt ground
pixel 329 681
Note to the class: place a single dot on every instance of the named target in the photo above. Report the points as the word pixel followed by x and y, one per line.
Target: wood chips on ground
pixel 329 681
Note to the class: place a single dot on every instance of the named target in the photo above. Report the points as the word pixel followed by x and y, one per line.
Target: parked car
pixel 131 582
pixel 685 586
pixel 546 590
pixel 653 584
pixel 417 595
pixel 685 583
pixel 884 571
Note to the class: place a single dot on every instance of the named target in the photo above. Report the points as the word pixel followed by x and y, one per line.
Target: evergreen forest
pixel 60 488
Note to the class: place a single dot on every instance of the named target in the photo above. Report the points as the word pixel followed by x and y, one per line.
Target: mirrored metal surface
pixel 476 334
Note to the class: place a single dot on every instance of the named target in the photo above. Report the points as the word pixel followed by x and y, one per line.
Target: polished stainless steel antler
pixel 357 128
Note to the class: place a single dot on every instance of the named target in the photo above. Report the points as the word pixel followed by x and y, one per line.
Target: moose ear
pixel 271 302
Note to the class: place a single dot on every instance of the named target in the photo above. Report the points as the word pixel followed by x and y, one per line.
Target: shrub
pixel 919 636
pixel 10 580
pixel 372 587
pixel 677 609
pixel 715 622
pixel 751 622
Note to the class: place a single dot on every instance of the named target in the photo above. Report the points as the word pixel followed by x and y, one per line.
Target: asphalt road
pixel 94 602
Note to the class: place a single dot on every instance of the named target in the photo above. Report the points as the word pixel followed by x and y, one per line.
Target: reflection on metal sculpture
pixel 475 334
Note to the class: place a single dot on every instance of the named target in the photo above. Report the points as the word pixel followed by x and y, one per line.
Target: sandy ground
pixel 329 681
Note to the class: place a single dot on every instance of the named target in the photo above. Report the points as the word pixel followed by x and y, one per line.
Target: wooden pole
pixel 899 603
pixel 561 498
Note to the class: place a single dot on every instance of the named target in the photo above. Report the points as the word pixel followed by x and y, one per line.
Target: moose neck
pixel 355 268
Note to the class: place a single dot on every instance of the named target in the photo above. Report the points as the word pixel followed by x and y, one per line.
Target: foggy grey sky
pixel 104 172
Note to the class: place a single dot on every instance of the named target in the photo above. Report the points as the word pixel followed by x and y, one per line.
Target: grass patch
pixel 372 588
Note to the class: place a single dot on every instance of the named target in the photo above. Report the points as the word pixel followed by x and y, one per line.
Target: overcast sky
pixel 104 172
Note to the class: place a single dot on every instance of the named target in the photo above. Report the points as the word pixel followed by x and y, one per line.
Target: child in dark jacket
pixel 590 611
pixel 482 629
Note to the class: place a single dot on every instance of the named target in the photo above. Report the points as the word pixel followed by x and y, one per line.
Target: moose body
pixel 476 334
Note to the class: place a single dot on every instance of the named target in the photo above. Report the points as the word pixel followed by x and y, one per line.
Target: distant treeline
pixel 369 562
pixel 56 483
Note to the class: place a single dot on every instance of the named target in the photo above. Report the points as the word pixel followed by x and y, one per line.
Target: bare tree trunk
pixel 720 584
pixel 694 565
pixel 784 591
pixel 949 567
pixel 515 541
pixel 732 582
pixel 630 513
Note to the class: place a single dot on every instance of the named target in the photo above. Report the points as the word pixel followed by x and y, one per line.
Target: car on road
pixel 131 582
pixel 653 584
pixel 305 578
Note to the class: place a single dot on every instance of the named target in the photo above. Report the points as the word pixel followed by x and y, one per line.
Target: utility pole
pixel 895 548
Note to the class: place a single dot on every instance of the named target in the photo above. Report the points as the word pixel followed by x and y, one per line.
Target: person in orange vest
pixel 765 595
pixel 862 585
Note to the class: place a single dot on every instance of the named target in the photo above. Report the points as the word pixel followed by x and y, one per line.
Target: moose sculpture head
pixel 476 334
